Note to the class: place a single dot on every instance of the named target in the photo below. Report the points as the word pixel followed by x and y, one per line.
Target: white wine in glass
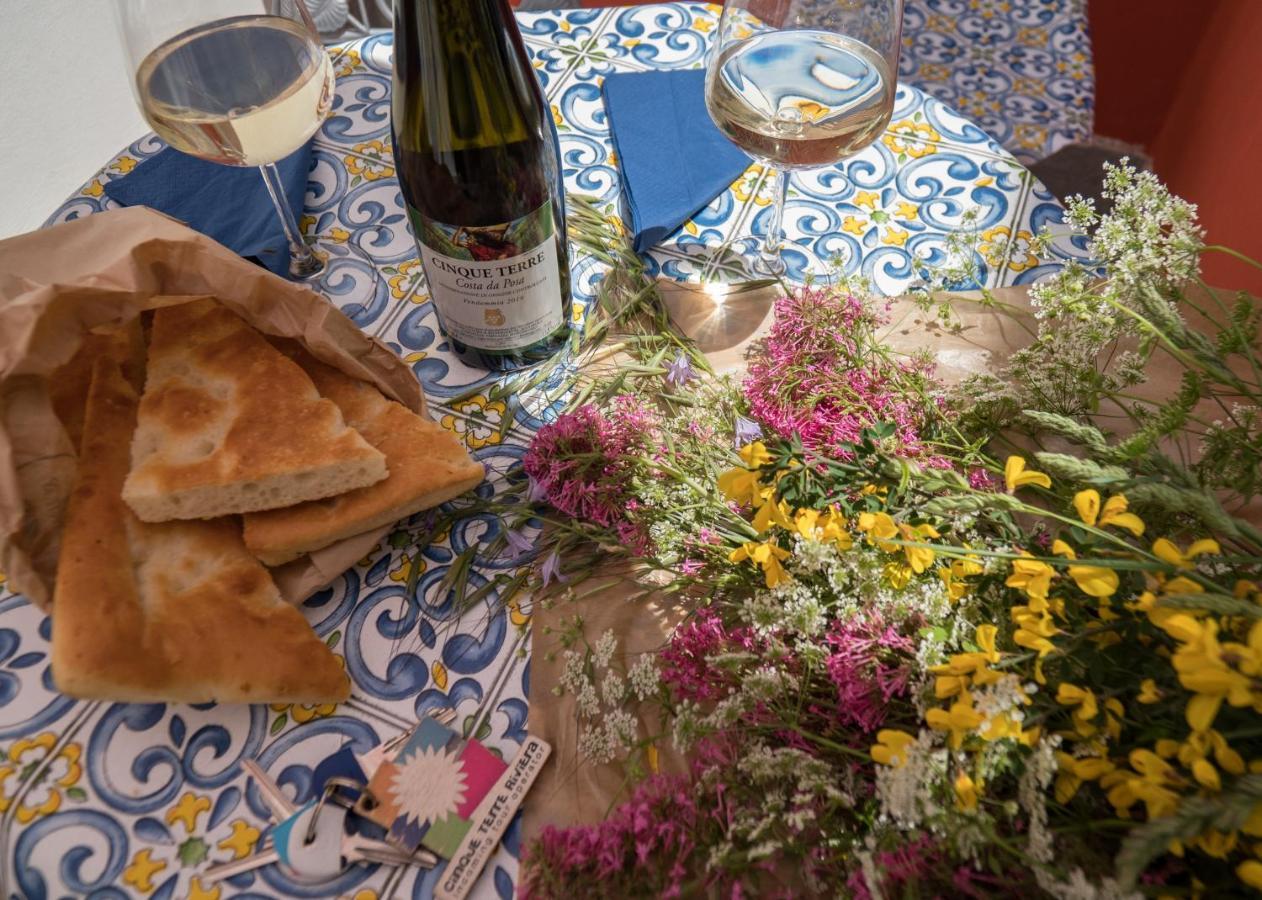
pixel 236 82
pixel 800 85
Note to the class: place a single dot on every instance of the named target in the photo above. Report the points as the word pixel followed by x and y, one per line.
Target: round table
pixel 134 800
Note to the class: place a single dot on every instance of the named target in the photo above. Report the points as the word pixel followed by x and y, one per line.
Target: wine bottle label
pixel 496 287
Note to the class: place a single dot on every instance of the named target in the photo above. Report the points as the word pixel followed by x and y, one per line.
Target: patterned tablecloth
pixel 133 800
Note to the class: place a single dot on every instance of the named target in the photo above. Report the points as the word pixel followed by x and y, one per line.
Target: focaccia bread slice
pixel 428 465
pixel 176 611
pixel 68 386
pixel 228 424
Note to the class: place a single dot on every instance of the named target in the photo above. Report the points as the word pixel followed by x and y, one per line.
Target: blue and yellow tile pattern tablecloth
pixel 134 800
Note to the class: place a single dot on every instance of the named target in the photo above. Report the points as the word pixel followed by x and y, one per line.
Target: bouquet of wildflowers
pixel 920 661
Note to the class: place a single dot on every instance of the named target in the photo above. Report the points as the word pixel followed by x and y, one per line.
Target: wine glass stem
pixel 770 262
pixel 303 263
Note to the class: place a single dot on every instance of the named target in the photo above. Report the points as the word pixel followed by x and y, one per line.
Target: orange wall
pixel 1140 61
pixel 1209 148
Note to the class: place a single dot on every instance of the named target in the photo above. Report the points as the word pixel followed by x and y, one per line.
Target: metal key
pixel 278 803
pixel 315 861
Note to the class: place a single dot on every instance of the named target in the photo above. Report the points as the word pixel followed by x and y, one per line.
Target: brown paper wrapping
pixel 58 284
pixel 571 790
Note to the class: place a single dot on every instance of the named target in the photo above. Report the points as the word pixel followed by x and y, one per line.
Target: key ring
pixel 330 792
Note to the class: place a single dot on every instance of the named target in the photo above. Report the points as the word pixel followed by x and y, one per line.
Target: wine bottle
pixel 480 170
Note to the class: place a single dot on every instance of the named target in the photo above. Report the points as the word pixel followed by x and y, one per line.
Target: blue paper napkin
pixel 227 203
pixel 674 159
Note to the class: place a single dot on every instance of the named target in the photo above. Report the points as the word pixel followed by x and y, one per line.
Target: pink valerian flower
pixel 706 535
pixel 814 378
pixel 655 842
pixel 685 664
pixel 582 463
pixel 691 567
pixel 900 868
pixel 981 480
pixel 869 664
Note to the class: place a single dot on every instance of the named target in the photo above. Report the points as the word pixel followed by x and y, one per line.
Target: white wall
pixel 65 103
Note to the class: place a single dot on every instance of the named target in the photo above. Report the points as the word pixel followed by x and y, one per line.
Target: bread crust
pixel 228 425
pixel 168 612
pixel 428 466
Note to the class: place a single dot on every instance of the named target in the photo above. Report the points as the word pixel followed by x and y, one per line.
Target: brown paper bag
pixel 58 284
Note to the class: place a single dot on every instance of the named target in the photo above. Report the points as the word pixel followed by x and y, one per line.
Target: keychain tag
pixel 490 820
pixel 430 789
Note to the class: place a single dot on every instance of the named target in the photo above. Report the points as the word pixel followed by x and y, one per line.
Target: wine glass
pixel 802 83
pixel 237 82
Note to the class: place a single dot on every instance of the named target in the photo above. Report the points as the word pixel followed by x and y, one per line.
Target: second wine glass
pixel 800 84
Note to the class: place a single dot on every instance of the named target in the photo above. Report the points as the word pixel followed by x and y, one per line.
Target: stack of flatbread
pixel 216 454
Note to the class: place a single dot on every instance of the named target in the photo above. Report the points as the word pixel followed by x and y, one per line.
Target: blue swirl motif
pixel 136 766
pixel 29 702
pixel 78 842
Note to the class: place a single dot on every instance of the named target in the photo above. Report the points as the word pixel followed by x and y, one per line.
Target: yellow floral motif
pixel 347 63
pixel 867 199
pixel 403 572
pixel 306 712
pixel 753 187
pixel 905 210
pixel 998 244
pixel 140 872
pixel 197 892
pixel 934 72
pixel 856 226
pixel 911 137
pixel 123 164
pixel 365 894
pixel 339 235
pixel 53 772
pixel 872 215
pixel 189 807
pixel 556 116
pixel 479 426
pixel 439 673
pixel 895 237
pixel 705 26
pixel 95 189
pixel 242 840
pixel 374 160
pixel 402 283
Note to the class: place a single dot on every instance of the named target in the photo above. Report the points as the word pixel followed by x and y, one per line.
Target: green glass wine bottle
pixel 480 169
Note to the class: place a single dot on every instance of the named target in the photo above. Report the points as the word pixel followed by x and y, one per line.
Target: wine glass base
pixel 305 268
pixel 769 265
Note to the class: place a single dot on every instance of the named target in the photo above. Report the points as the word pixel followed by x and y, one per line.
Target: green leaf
pixel 333 638
pixel 279 724
pixel 77 794
pixel 399 539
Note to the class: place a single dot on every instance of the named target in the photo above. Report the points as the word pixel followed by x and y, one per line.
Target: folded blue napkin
pixel 227 203
pixel 674 159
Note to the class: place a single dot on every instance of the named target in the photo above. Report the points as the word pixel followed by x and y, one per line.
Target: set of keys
pixel 310 842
